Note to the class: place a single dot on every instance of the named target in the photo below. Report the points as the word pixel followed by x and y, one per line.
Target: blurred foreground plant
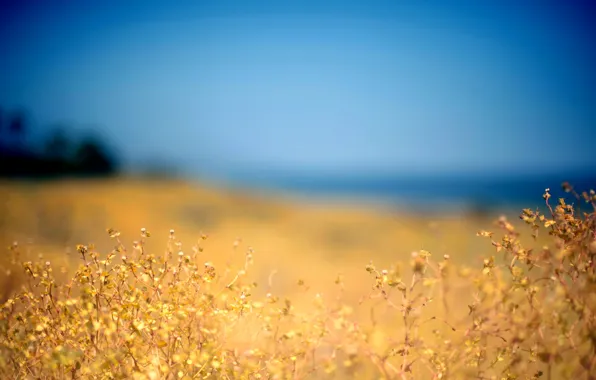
pixel 132 314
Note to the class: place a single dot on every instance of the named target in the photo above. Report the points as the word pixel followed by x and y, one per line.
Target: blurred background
pixel 343 129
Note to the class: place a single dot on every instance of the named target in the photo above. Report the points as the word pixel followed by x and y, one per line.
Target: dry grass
pixel 292 239
pixel 301 304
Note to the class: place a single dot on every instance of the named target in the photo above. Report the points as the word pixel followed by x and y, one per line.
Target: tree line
pixel 57 155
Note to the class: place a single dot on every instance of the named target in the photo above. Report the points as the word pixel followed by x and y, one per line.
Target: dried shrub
pixel 134 314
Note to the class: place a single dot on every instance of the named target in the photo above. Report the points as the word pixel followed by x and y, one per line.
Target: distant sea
pixel 424 193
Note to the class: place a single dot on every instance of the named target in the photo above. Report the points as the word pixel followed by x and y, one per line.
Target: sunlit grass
pixel 246 287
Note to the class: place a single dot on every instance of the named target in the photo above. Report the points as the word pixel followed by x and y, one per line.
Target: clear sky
pixel 329 86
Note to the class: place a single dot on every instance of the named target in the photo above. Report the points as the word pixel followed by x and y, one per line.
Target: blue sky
pixel 326 86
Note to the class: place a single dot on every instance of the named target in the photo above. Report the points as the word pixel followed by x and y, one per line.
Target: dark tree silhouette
pixel 60 157
pixel 91 158
pixel 58 146
pixel 12 134
pixel 2 132
pixel 16 131
pixel 16 125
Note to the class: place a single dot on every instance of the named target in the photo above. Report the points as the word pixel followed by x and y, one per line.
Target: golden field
pixel 288 236
pixel 313 241
pixel 306 252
